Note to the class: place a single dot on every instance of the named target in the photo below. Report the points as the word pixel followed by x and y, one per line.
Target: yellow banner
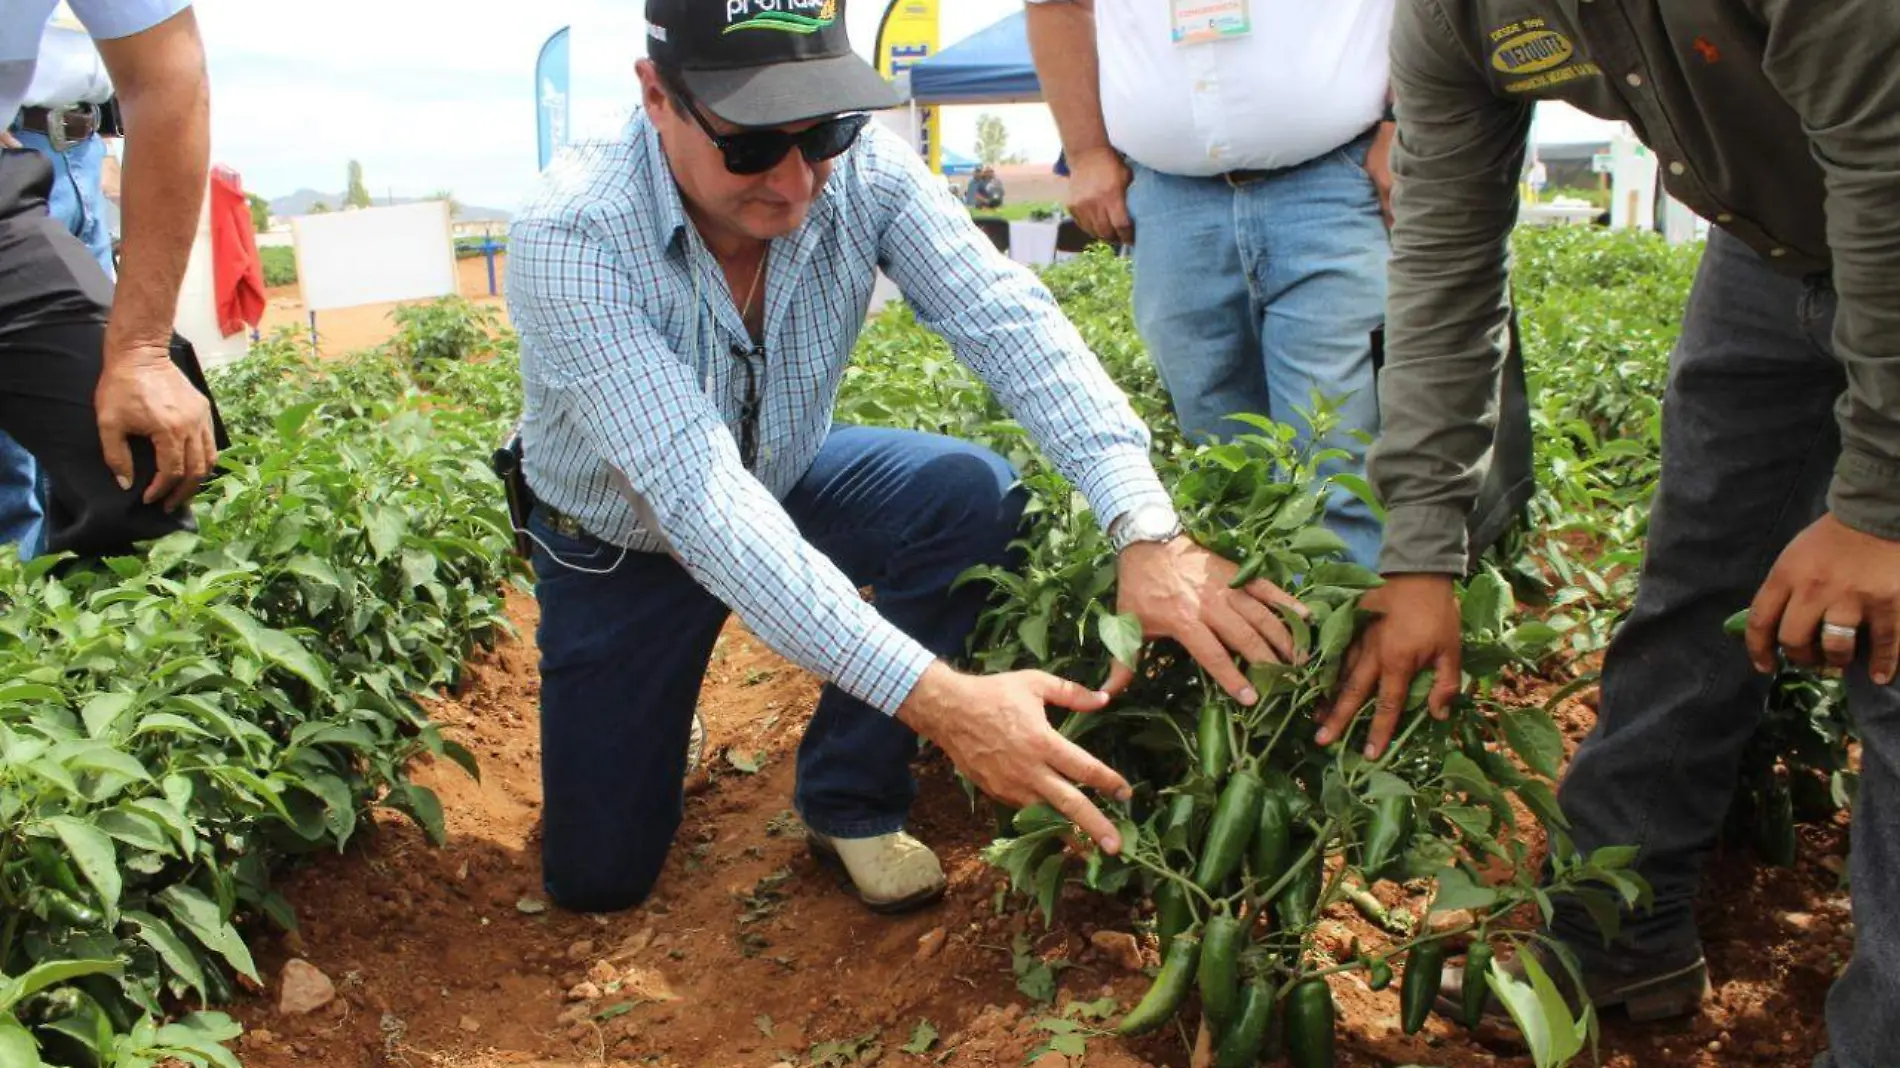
pixel 907 36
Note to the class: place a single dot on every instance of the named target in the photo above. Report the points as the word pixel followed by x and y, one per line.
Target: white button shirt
pixel 1308 78
pixel 23 31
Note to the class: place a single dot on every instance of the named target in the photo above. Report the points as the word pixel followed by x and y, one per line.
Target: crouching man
pixel 687 299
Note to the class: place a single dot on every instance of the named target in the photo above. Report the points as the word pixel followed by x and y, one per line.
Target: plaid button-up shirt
pixel 629 344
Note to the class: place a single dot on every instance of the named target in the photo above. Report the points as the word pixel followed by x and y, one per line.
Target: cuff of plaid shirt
pixel 882 670
pixel 1120 483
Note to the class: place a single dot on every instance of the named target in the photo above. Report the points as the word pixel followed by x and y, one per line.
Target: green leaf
pixel 922 1037
pixel 52 973
pixel 1487 603
pixel 1336 633
pixel 1049 885
pixel 418 567
pixel 1384 784
pixel 745 763
pixel 200 916
pixel 420 804
pixel 103 711
pixel 1122 635
pixel 94 854
pixel 339 807
pixel 1527 1011
pixel 1464 774
pixel 167 814
pixel 1542 801
pixel 459 753
pixel 614 1012
pixel 288 653
pixel 1613 858
pixel 170 948
pixel 203 1034
pixel 134 829
pixel 1457 891
pixel 1317 541
pixel 17 1048
pixel 1033 631
pixel 292 419
pixel 386 526
pixel 19 692
pixel 1534 737
pixel 104 759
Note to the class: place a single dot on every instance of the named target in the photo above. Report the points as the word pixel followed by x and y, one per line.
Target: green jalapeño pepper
pixel 1241 1042
pixel 1170 988
pixel 1229 832
pixel 1477 983
pixel 1272 837
pixel 1173 913
pixel 1424 967
pixel 1378 973
pixel 1386 835
pixel 1248 571
pixel 1309 1025
pixel 1219 974
pixel 1299 900
pixel 1212 741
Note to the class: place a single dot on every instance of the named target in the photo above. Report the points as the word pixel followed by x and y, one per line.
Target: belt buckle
pixel 59 125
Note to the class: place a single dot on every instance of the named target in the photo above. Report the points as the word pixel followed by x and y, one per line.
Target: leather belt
pixel 1243 177
pixel 560 522
pixel 63 126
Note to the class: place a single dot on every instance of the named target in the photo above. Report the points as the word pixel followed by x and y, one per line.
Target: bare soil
pixel 751 955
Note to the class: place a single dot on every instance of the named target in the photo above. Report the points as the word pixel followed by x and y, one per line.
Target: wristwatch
pixel 1149 522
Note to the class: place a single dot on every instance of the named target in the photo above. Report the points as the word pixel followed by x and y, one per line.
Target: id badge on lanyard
pixel 1200 21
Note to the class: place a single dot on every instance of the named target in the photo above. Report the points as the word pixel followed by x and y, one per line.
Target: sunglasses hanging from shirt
pixel 758 151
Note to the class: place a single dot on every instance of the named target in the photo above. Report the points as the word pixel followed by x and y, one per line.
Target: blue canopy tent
pixel 955 162
pixel 991 66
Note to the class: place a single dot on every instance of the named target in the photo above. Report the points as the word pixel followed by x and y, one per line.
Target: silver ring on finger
pixel 1838 633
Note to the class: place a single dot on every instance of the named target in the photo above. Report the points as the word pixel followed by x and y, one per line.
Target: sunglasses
pixel 758 151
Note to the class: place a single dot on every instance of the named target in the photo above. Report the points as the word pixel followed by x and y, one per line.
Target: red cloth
pixel 237 271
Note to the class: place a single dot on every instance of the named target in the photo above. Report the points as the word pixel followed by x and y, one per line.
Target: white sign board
pixel 375 255
pixel 1602 163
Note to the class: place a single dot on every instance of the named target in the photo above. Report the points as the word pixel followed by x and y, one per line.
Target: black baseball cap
pixel 765 62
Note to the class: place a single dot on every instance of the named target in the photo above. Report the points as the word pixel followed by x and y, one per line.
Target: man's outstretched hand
pixel 1180 590
pixel 995 728
pixel 141 393
pixel 1416 627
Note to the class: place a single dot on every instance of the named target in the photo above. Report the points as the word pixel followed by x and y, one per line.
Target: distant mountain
pixel 300 203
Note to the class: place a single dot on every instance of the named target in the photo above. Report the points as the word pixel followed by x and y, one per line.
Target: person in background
pixel 985 192
pixel 688 298
pixel 60 118
pixel 92 382
pixel 1779 122
pixel 1245 160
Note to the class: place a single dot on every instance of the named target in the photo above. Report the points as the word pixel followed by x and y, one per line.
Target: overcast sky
pixel 438 94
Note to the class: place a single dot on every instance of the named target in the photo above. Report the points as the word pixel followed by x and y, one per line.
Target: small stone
pixel 573 1014
pixel 931 943
pixel 303 989
pixel 602 973
pixel 583 992
pixel 1715 1047
pixel 784 1064
pixel 580 951
pixel 1800 921
pixel 258 1038
pixel 1120 947
pixel 470 1024
pixel 640 941
pixel 531 906
pixel 579 1032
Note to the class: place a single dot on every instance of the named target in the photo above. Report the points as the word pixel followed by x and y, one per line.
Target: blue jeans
pixel 1749 446
pixel 75 201
pixel 1253 296
pixel 623 653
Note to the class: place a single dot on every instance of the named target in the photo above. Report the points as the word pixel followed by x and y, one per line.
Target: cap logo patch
pixel 785 16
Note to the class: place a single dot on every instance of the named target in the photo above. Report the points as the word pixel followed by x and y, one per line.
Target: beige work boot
pixel 890 873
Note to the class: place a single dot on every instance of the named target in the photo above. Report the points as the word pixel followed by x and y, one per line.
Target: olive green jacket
pixel 1778 120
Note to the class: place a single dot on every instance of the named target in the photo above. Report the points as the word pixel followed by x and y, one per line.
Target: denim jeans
pixel 1253 296
pixel 625 638
pixel 1749 446
pixel 75 200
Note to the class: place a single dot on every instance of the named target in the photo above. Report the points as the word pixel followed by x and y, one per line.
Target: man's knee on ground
pixel 602 879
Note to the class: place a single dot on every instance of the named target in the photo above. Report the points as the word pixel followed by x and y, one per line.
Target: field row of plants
pixel 1242 831
pixel 174 727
